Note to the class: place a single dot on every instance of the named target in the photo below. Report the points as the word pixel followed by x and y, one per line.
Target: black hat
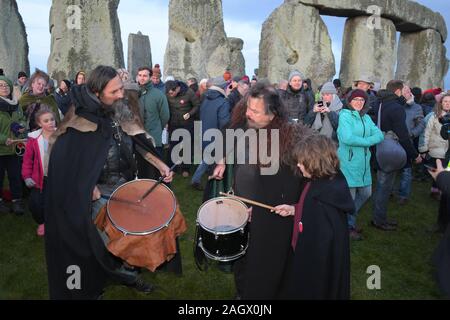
pixel 2 73
pixel 22 74
pixel 67 82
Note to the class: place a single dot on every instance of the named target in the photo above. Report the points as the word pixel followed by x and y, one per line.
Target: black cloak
pixel 71 238
pixel 321 266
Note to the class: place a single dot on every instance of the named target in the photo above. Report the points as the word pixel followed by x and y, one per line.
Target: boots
pixel 17 207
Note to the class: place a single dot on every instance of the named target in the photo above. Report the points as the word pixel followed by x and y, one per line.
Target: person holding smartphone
pixel 324 117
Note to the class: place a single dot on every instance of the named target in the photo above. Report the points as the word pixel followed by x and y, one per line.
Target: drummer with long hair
pixel 261 274
pixel 91 155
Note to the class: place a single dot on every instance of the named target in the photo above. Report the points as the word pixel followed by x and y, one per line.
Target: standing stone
pixel 421 59
pixel 198 46
pixel 13 40
pixel 139 53
pixel 368 51
pixel 295 37
pixel 84 34
pixel 236 56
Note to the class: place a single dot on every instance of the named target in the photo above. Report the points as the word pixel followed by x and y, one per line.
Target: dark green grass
pixel 403 256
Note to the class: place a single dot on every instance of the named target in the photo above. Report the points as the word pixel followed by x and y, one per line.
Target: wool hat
pixel 8 82
pixel 157 70
pixel 295 73
pixel 219 82
pixel 67 82
pixel 357 93
pixel 328 87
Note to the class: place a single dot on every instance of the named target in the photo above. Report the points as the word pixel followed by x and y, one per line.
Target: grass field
pixel 403 257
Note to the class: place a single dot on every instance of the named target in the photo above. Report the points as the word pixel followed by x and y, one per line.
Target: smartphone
pixel 430 163
pixel 320 103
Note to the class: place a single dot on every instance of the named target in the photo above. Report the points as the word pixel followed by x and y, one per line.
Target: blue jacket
pixel 214 112
pixel 356 133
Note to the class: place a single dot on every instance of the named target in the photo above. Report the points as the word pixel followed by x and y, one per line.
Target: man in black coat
pixel 262 274
pixel 90 148
pixel 393 118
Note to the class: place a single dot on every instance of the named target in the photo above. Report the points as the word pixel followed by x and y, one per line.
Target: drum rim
pixel 142 233
pixel 223 258
pixel 215 232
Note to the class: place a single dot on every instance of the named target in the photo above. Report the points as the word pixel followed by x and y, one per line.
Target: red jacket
pixel 32 166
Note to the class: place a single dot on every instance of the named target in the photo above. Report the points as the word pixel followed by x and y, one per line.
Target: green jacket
pixel 356 134
pixel 6 119
pixel 28 99
pixel 154 111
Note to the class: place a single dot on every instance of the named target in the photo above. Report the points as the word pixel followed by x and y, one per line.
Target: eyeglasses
pixel 359 99
pixel 4 85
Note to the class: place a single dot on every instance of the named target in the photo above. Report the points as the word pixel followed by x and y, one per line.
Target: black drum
pixel 223 230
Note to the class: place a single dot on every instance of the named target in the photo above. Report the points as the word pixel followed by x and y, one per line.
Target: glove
pixel 30 183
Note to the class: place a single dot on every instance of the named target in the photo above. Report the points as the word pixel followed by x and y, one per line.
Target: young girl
pixel 320 237
pixel 35 163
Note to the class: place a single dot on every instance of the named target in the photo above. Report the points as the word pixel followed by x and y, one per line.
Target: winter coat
pixel 325 124
pixel 185 102
pixel 9 113
pixel 28 99
pixel 356 134
pixel 393 118
pixel 214 111
pixel 433 142
pixel 295 102
pixel 414 120
pixel 33 159
pixel 160 86
pixel 63 100
pixel 154 112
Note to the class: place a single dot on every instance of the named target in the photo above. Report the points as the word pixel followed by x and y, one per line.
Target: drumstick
pixel 119 200
pixel 160 180
pixel 255 203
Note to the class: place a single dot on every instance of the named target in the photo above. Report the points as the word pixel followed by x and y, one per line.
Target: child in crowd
pixel 320 238
pixel 35 164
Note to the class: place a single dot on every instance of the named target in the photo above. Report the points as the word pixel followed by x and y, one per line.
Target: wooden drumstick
pixel 255 203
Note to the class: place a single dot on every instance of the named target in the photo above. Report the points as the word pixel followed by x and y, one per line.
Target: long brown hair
pixel 438 109
pixel 290 132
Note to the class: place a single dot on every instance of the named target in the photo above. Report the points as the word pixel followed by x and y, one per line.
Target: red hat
pixel 357 93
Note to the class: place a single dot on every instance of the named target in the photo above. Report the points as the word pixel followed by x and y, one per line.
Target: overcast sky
pixel 242 19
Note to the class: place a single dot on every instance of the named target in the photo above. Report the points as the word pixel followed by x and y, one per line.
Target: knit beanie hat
pixel 8 82
pixel 67 82
pixel 22 74
pixel 295 73
pixel 328 87
pixel 357 93
pixel 157 70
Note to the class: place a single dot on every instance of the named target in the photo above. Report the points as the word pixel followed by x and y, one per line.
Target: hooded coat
pixel 72 241
pixel 321 262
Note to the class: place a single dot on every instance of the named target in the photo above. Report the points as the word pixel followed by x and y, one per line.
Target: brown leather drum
pixel 142 234
pixel 152 214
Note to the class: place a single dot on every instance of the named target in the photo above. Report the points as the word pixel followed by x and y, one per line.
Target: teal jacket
pixel 155 112
pixel 356 133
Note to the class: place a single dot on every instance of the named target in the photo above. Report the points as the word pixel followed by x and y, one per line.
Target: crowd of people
pixel 105 128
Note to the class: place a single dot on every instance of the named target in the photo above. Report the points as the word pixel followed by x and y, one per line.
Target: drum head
pixel 222 215
pixel 151 215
